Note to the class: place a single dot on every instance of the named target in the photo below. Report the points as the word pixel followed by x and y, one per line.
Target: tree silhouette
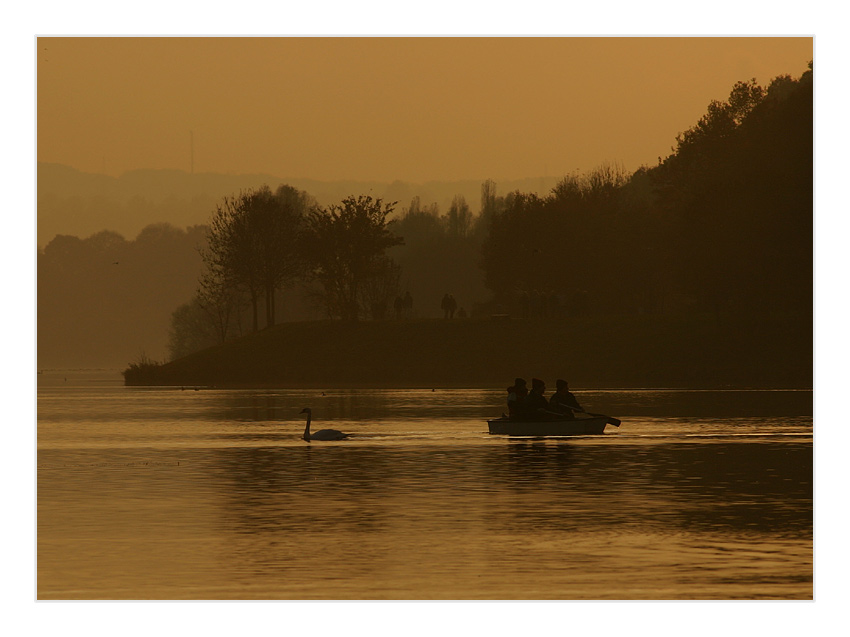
pixel 458 219
pixel 740 186
pixel 723 223
pixel 345 246
pixel 253 242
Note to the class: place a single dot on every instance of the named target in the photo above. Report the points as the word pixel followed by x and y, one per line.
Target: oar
pixel 609 419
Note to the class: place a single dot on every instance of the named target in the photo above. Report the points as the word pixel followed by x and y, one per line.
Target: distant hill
pixel 102 300
pixel 76 203
pixel 599 351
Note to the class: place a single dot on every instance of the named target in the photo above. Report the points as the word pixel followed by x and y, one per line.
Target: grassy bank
pixel 608 351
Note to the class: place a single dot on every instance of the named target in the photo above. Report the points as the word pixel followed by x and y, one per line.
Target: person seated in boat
pixel 516 396
pixel 535 405
pixel 563 401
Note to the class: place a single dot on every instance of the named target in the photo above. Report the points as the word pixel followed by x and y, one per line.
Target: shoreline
pixel 482 387
pixel 604 352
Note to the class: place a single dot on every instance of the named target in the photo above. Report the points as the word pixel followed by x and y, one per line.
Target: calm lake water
pixel 163 493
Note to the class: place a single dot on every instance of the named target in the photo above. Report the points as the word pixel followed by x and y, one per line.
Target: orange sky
pixel 414 109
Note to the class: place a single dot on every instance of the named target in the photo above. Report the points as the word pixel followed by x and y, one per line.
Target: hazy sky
pixel 414 109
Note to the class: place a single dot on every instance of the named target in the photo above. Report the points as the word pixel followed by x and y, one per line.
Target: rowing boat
pixel 576 427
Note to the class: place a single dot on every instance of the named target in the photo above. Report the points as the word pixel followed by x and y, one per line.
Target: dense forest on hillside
pixel 723 224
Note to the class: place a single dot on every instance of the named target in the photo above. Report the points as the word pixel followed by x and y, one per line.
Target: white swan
pixel 322 434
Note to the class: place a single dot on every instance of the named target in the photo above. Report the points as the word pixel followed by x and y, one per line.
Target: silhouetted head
pixel 519 382
pixel 561 384
pixel 536 383
pixel 306 410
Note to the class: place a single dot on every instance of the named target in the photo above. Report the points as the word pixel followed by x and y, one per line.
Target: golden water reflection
pixel 207 497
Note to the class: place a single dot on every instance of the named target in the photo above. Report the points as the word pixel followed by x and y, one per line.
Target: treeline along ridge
pixel 723 226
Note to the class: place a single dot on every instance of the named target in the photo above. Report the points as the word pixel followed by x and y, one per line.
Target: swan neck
pixel 307 428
